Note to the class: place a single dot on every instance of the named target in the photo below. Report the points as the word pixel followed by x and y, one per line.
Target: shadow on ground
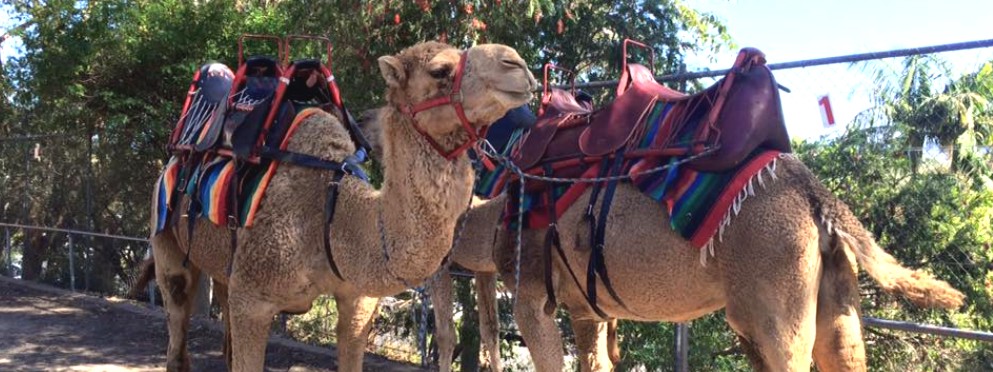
pixel 49 329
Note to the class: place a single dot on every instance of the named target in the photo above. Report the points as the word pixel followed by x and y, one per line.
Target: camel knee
pixel 176 286
pixel 752 352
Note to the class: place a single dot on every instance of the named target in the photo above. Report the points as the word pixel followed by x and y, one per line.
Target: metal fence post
pixel 151 283
pixel 682 358
pixel 422 337
pixel 72 266
pixel 10 252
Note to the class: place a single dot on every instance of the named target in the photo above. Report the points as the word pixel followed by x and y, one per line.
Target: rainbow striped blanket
pixel 699 204
pixel 209 181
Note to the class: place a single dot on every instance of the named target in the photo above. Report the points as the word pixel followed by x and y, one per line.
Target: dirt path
pixel 48 329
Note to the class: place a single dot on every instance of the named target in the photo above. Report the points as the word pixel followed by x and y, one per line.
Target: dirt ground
pixel 48 329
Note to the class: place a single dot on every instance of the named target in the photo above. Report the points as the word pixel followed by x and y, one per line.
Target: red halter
pixel 454 99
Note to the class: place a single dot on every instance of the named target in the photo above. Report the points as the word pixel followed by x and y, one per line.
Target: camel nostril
pixel 512 63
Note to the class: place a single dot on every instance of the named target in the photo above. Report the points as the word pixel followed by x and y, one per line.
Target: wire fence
pixel 83 183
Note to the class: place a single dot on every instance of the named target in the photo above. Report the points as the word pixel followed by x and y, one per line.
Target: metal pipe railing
pixel 797 64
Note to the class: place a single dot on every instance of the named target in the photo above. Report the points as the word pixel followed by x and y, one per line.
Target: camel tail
pixel 146 275
pixel 917 286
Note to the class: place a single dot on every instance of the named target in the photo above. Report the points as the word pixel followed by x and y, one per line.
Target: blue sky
pixel 799 30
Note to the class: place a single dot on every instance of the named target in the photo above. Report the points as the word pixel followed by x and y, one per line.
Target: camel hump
pixel 848 232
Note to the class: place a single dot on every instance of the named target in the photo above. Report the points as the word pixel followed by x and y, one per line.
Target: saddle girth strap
pixel 233 220
pixel 329 209
pixel 193 209
pixel 598 228
pixel 552 239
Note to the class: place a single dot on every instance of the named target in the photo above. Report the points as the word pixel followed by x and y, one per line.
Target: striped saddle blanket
pixel 698 203
pixel 208 182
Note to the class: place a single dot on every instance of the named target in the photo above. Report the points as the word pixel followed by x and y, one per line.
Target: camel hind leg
pixel 592 340
pixel 178 285
pixel 221 293
pixel 839 346
pixel 771 274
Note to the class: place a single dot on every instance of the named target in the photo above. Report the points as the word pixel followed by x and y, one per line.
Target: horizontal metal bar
pixel 804 63
pixel 34 137
pixel 70 231
pixel 462 274
pixel 927 329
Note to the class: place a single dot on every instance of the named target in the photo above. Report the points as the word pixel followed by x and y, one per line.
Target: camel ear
pixel 392 70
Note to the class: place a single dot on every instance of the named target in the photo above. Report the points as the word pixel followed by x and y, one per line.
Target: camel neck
pixel 422 197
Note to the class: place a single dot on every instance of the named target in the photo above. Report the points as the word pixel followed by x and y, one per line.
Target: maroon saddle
pixel 738 114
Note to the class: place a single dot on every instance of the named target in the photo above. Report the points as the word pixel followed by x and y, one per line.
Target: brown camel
pixel 383 241
pixel 784 271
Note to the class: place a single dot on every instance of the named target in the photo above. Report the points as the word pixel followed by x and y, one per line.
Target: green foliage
pixel 934 219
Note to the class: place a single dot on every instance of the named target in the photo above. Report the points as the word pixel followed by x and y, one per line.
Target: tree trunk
pixel 34 254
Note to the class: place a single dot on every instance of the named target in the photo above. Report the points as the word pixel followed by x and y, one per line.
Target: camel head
pixel 450 96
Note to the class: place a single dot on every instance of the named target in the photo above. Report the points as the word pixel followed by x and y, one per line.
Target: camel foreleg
pixel 355 313
pixel 489 321
pixel 542 336
pixel 249 324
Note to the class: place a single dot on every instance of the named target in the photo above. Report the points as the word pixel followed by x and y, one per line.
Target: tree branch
pixel 10 33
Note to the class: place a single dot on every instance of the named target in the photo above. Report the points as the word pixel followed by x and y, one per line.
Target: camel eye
pixel 440 72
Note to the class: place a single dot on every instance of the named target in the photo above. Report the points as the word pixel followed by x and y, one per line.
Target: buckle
pixel 456 96
pixel 232 223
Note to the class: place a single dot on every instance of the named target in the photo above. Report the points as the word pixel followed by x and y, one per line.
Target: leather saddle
pixel 739 113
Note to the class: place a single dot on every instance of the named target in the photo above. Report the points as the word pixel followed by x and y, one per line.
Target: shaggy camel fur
pixel 383 241
pixel 784 270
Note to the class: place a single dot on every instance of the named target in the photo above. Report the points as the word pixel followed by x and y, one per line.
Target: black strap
pixel 598 226
pixel 192 214
pixel 553 239
pixel 593 223
pixel 233 220
pixel 349 166
pixel 193 210
pixel 329 209
pixel 597 261
pixel 357 136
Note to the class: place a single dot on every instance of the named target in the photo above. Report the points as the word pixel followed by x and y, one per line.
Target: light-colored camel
pixel 473 251
pixel 383 241
pixel 785 272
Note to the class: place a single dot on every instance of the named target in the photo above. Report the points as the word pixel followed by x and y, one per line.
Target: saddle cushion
pixel 558 108
pixel 738 114
pixel 206 104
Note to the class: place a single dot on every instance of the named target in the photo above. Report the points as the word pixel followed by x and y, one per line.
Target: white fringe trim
pixel 735 208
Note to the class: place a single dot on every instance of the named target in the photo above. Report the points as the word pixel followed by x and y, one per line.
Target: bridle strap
pixel 455 98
